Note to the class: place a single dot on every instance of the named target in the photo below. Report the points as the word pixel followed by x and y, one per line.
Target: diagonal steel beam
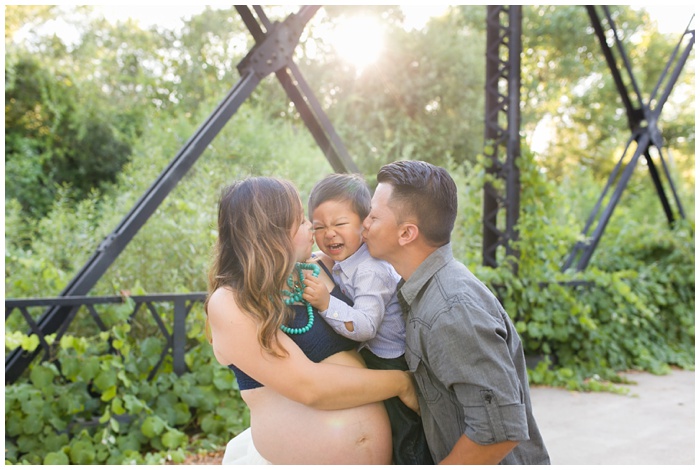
pixel 297 89
pixel 634 114
pixel 273 52
pixel 583 250
pixel 112 246
pixel 643 123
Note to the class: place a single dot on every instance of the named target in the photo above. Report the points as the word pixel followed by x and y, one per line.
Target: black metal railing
pixel 171 324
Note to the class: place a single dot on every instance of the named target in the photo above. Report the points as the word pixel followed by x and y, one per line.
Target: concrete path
pixel 653 425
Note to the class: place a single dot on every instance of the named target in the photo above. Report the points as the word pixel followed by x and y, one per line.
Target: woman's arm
pixel 322 386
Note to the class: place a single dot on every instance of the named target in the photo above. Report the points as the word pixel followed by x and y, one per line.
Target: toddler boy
pixel 338 205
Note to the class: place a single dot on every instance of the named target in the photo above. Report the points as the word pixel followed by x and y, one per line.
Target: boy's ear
pixel 407 233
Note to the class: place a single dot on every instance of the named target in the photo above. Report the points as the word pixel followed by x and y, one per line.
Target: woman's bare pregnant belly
pixel 287 432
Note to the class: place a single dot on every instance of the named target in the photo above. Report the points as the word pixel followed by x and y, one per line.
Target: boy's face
pixel 337 229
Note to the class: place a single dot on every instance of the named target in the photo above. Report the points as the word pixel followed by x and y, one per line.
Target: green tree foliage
pixel 202 57
pixel 64 240
pixel 423 99
pixel 60 127
pixel 566 79
pixel 51 141
pixel 26 17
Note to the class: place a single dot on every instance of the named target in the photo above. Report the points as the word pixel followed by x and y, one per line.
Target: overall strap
pixel 325 268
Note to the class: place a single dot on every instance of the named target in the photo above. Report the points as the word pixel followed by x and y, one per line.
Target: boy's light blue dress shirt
pixel 376 314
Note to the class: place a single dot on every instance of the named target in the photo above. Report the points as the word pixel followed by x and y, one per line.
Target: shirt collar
pixel 352 262
pixel 433 263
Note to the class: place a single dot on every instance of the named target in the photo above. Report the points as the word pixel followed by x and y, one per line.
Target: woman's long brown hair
pixel 254 253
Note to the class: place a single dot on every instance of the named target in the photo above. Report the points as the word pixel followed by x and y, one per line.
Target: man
pixel 461 345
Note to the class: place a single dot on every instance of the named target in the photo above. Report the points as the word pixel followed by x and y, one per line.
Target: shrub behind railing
pixel 129 381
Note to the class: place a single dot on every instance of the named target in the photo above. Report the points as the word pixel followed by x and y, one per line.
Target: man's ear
pixel 407 233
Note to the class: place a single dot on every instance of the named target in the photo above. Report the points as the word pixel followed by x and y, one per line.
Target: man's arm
pixel 471 356
pixel 468 452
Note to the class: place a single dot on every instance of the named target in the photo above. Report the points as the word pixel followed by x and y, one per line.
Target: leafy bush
pixel 59 134
pixel 634 306
pixel 100 409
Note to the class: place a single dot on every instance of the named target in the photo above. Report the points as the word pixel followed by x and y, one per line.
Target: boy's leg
pixel 408 439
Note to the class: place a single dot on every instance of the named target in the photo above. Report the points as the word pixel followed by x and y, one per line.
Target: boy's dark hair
pixel 425 192
pixel 342 187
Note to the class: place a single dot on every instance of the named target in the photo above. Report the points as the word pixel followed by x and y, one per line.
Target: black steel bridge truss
pixel 273 53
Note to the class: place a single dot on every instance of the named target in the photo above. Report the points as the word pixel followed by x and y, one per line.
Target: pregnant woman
pixel 311 399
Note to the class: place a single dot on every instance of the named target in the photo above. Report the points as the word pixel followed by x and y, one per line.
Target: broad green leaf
pixel 32 424
pixel 152 426
pixel 118 406
pixel 106 379
pixel 56 458
pixel 173 439
pixel 110 393
pixel 58 423
pixel 224 381
pixel 128 442
pixel 41 376
pixel 90 367
pixel 55 441
pixel 211 424
pixel 71 367
pixel 182 413
pixel 133 404
pixel 105 416
pixel 13 423
pixel 30 343
pixel 114 425
pixel 81 452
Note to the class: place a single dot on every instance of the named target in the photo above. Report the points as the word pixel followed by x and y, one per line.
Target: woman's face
pixel 303 241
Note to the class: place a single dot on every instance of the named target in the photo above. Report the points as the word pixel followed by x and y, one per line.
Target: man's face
pixel 381 230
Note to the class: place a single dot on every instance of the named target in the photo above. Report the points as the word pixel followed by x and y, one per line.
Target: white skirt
pixel 241 451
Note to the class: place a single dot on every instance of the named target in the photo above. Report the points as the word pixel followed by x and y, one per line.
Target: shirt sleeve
pixel 469 353
pixel 373 291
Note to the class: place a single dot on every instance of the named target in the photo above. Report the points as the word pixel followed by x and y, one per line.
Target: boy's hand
pixel 316 293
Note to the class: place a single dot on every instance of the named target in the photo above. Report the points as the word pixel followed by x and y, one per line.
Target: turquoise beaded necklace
pixel 295 295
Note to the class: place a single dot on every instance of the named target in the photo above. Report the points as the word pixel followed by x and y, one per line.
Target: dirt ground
pixel 210 458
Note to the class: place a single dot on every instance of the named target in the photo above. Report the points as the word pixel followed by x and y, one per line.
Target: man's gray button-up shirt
pixel 468 362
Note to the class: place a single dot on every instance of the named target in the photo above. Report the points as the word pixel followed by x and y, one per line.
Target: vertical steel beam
pixel 179 336
pixel 502 133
